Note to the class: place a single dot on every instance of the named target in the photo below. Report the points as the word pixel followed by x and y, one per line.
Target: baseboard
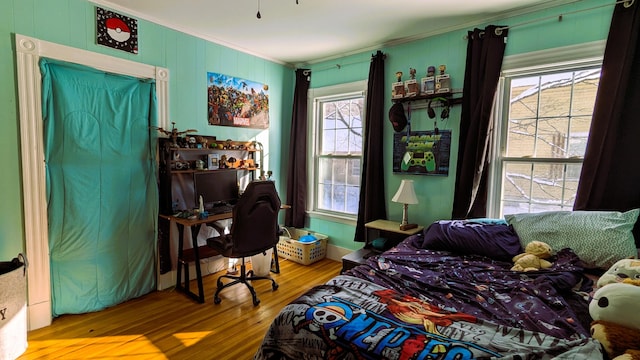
pixel 336 252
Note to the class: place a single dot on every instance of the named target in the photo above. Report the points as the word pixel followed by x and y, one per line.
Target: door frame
pixel 28 53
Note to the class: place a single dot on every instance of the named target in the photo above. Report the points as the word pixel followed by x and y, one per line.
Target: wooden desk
pixel 185 256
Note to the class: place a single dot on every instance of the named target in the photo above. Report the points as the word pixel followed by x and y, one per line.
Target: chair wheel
pixel 274 286
pixel 217 300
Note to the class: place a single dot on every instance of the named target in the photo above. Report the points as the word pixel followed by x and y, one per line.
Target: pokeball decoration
pixel 116 31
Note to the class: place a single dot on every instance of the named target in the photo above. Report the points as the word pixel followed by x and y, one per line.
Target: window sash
pixel 344 183
pixel 564 166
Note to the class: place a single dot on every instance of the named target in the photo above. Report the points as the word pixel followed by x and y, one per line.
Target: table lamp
pixel 406 195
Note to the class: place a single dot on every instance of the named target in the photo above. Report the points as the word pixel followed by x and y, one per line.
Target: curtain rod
pixel 627 4
pixel 339 66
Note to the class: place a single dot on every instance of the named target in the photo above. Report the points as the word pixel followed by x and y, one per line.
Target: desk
pixel 195 253
pixel 382 227
pixel 201 252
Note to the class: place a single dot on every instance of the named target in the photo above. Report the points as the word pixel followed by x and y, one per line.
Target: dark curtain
pixel 610 175
pixel 372 205
pixel 297 171
pixel 485 50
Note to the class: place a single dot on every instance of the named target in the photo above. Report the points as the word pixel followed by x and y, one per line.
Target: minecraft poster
pixel 237 102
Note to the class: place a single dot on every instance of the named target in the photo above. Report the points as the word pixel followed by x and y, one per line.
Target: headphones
pixel 445 108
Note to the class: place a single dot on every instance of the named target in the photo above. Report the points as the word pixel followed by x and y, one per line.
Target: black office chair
pixel 254 230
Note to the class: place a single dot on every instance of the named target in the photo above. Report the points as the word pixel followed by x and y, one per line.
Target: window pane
pixel 517 182
pixel 342 141
pixel 547 183
pixel 584 92
pixel 328 142
pixel 353 173
pixel 353 198
pixel 552 138
pixel 555 94
pixel 521 137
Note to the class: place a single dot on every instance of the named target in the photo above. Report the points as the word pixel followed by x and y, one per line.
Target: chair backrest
pixel 255 219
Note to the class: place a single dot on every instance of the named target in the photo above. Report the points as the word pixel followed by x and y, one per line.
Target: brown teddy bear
pixel 620 342
pixel 616 319
pixel 533 257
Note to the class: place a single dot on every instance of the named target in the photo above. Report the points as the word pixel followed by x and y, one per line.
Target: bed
pixel 449 293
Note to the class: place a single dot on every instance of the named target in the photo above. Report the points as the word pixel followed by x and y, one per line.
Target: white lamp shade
pixel 405 194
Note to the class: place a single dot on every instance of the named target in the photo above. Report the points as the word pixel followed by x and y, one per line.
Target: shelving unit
pixel 177 166
pixel 454 98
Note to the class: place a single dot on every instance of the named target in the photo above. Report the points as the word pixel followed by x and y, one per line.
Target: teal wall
pixel 72 23
pixel 435 193
pixel 189 59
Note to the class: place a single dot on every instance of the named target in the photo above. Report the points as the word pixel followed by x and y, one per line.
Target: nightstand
pixel 386 228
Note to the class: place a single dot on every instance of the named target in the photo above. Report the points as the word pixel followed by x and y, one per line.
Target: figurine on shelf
pixel 222 164
pixel 174 133
pixel 412 84
pixel 443 81
pixel 429 82
pixel 398 91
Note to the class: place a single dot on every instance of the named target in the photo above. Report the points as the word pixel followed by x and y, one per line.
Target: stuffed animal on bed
pixel 533 257
pixel 625 270
pixel 615 309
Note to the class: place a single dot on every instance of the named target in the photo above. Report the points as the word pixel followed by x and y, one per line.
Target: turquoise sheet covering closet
pixel 101 186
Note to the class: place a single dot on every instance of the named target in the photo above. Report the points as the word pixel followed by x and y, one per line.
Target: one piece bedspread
pixel 414 303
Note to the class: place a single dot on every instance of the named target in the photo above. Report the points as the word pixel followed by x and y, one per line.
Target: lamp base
pixel 408 226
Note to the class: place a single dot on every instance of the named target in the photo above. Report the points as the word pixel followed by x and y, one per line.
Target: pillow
pixel 493 240
pixel 599 238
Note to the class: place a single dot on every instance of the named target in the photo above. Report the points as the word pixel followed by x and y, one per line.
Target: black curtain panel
pixel 485 51
pixel 297 171
pixel 372 205
pixel 610 178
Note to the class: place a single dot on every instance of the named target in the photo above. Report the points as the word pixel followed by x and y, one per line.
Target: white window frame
pixel 534 63
pixel 314 98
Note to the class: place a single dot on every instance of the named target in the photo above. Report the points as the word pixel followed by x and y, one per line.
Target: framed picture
pixel 116 31
pixel 422 152
pixel 237 102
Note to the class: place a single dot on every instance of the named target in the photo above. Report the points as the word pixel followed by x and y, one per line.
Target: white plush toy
pixel 625 270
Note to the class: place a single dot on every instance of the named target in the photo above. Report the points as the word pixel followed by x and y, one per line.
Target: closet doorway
pixel 28 53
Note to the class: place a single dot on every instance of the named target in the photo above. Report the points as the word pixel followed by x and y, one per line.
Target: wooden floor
pixel 168 325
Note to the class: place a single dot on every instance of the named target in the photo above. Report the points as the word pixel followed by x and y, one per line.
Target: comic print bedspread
pixel 412 303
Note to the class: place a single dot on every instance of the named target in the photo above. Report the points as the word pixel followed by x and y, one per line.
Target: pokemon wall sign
pixel 116 31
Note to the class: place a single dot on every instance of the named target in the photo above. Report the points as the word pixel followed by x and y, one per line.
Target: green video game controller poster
pixel 422 152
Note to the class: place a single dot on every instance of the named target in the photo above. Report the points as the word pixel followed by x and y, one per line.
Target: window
pixel 545 117
pixel 338 114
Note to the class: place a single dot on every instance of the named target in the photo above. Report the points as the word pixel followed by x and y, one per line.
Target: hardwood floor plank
pixel 169 325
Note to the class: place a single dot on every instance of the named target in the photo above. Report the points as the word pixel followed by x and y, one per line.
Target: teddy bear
pixel 615 310
pixel 625 270
pixel 533 257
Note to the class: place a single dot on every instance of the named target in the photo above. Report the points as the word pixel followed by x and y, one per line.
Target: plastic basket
pixel 304 253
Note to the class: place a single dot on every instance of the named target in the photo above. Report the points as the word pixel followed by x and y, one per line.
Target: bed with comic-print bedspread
pixel 446 293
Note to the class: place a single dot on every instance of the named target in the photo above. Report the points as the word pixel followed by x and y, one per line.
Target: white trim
pixel 572 55
pixel 28 53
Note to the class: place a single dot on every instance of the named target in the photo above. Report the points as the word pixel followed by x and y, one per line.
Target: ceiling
pixel 317 30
